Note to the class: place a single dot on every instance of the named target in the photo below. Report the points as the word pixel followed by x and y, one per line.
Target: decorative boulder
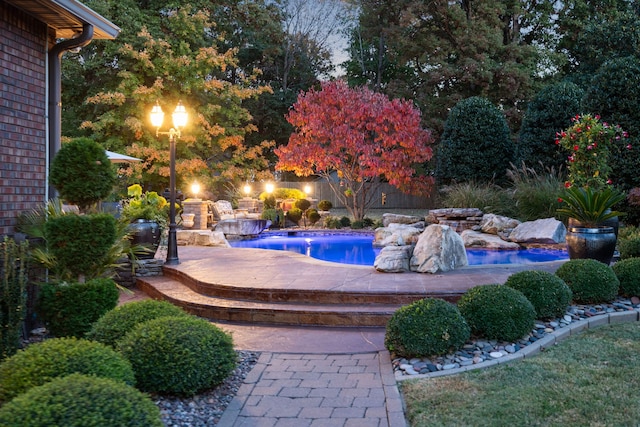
pixel 475 239
pixel 439 248
pixel 548 231
pixel 201 238
pixel 498 224
pixel 396 235
pixel 390 218
pixel 393 259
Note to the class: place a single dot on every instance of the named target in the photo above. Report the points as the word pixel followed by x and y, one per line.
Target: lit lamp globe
pixel 247 190
pixel 195 189
pixel 269 188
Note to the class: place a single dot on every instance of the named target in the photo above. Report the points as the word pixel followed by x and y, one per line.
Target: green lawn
pixel 592 379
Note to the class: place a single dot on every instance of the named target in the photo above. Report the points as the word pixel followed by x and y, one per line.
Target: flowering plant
pixel 589 142
pixel 148 205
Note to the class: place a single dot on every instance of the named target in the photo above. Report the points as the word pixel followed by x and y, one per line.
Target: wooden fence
pixel 394 199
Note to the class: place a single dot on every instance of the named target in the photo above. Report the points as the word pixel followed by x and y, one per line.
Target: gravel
pixel 205 409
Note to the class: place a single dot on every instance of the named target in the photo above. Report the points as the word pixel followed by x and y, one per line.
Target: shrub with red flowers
pixel 589 142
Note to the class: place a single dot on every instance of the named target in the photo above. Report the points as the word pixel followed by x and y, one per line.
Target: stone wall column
pixel 199 209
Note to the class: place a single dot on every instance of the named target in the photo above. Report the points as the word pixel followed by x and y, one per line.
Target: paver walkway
pixel 304 390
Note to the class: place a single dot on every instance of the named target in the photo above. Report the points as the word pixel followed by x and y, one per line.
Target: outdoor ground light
pixel 179 122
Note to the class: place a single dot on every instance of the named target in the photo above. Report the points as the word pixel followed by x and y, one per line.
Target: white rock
pixel 496 354
pixel 439 248
pixel 548 230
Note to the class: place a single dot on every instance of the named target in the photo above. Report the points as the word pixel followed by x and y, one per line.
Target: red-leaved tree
pixel 359 137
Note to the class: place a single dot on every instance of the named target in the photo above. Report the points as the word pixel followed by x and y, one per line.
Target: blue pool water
pixel 359 250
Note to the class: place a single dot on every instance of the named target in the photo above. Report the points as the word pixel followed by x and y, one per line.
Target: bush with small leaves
pixel 332 222
pixel 590 281
pixel 547 292
pixel 426 327
pixel 178 355
pixel 70 309
pixel 294 215
pixel 345 221
pixel 325 205
pixel 628 273
pixel 116 323
pixel 629 247
pixel 79 400
pixel 497 312
pixel 302 204
pixel 58 357
pixel 312 215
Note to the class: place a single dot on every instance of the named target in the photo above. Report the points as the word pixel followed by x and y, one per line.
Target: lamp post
pixel 179 122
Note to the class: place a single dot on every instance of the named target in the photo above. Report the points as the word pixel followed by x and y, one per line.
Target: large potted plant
pixel 588 198
pixel 147 213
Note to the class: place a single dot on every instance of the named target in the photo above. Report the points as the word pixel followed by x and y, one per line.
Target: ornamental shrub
pixel 178 355
pixel 476 144
pixel 325 205
pixel 13 294
pixel 70 309
pixel 79 244
pixel 427 327
pixel 628 273
pixel 497 312
pixel 629 247
pixel 116 323
pixel 590 281
pixel 332 222
pixel 312 215
pixel 549 112
pixel 58 357
pixel 547 292
pixel 82 172
pixel 302 204
pixel 294 215
pixel 80 401
pixel 345 221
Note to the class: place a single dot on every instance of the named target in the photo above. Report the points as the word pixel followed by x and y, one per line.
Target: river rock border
pixel 479 354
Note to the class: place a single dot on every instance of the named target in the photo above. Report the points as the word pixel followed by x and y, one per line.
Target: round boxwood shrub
pixel 426 327
pixel 82 172
pixel 58 357
pixel 312 215
pixel 628 273
pixel 302 204
pixel 294 215
pixel 325 205
pixel 590 281
pixel 70 309
pixel 497 312
pixel 629 247
pixel 547 292
pixel 178 355
pixel 79 400
pixel 116 323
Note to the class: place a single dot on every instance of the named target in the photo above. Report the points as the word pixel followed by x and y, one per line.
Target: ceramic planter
pixel 145 233
pixel 597 243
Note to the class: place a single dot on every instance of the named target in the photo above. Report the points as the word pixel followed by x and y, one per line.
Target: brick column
pixel 199 209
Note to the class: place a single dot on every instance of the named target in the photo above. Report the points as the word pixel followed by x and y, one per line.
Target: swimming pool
pixel 358 249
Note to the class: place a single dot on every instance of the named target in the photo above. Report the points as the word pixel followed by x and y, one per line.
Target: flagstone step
pixel 255 311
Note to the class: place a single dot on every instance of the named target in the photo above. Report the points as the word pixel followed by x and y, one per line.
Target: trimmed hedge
pixel 548 293
pixel 115 324
pixel 628 273
pixel 497 312
pixel 590 281
pixel 58 357
pixel 426 327
pixel 81 401
pixel 178 355
pixel 70 309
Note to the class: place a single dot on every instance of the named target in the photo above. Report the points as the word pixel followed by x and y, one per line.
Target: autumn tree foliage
pixel 356 139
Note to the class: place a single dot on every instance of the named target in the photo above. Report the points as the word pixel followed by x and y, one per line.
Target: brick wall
pixel 23 139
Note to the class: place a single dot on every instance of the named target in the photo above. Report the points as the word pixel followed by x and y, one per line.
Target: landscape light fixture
pixel 179 122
